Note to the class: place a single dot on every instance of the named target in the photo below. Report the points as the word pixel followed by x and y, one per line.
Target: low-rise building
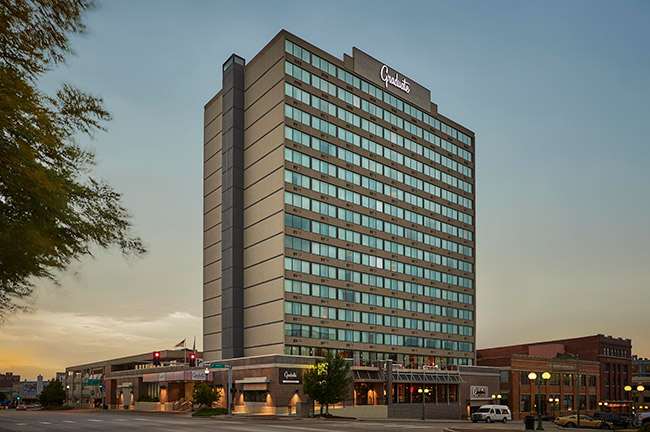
pixel 573 384
pixel 272 384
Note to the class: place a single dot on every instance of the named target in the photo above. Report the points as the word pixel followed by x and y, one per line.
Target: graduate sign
pixel 290 376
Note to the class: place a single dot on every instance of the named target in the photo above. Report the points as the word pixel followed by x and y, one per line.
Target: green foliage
pixel 51 210
pixel 146 398
pixel 328 382
pixel 204 394
pixel 209 412
pixel 53 394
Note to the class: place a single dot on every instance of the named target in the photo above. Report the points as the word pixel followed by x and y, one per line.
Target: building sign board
pixel 198 376
pixel 290 376
pixel 478 391
pixel 388 79
pixel 30 388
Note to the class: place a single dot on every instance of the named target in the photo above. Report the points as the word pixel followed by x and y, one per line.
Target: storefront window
pixel 525 402
pixel 254 395
pixel 453 393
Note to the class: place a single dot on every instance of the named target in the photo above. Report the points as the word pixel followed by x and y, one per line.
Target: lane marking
pixel 95 420
pixel 45 422
pixel 69 421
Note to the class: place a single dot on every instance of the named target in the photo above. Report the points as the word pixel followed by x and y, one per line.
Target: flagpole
pixel 184 353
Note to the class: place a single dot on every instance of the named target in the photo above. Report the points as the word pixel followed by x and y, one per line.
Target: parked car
pixel 617 419
pixel 492 413
pixel 571 421
pixel 641 418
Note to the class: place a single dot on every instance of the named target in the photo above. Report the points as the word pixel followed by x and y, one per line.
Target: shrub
pixel 208 412
pixel 146 398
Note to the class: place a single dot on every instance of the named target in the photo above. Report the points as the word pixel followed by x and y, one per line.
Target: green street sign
pixel 217 366
pixel 91 382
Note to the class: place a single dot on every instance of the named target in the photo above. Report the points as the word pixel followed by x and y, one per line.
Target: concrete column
pixel 232 209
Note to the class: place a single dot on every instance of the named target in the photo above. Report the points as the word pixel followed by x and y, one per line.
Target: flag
pixel 194 346
pixel 180 344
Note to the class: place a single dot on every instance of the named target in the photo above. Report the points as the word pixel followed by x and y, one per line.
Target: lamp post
pixel 423 392
pixel 495 398
pixel 532 377
pixel 553 403
pixel 639 389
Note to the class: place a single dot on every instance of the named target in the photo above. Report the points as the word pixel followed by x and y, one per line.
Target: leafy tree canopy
pixel 52 211
pixel 328 382
pixel 204 394
pixel 53 394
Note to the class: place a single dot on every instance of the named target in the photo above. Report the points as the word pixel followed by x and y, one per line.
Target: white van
pixel 492 413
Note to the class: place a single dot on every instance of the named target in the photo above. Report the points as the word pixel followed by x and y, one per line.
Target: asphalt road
pixel 25 421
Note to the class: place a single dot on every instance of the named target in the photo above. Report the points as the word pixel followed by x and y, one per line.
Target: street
pixel 93 420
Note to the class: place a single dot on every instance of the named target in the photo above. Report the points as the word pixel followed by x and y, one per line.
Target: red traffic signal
pixel 192 359
pixel 156 358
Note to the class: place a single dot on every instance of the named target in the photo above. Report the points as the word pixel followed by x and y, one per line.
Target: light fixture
pixel 532 376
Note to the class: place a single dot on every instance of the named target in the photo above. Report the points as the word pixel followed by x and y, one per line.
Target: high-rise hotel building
pixel 338 213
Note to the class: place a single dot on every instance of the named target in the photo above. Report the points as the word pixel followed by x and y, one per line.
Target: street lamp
pixel 424 395
pixel 532 377
pixel 553 403
pixel 639 389
pixel 495 397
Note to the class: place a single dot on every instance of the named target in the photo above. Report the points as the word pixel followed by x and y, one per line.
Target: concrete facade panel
pixel 261 168
pixel 264 250
pixel 263 272
pixel 260 190
pixel 261 128
pixel 211 290
pixel 267 92
pixel 264 293
pixel 212 271
pixel 267 334
pixel 263 62
pixel 264 229
pixel 262 209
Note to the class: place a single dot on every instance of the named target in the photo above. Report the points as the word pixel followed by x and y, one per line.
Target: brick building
pixel 612 354
pixel 523 395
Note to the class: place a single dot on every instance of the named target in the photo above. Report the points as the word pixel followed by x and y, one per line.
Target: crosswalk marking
pixel 69 421
pixel 95 420
pixel 21 424
pixel 45 422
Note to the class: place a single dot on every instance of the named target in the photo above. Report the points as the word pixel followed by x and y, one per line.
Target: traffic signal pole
pixel 229 389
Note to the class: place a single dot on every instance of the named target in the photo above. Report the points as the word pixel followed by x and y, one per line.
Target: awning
pixel 253 383
pixel 368 376
pixel 423 377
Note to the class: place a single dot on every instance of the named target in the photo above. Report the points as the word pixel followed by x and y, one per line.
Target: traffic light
pixel 192 359
pixel 156 358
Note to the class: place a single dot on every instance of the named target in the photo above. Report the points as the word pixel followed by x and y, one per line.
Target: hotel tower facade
pixel 339 213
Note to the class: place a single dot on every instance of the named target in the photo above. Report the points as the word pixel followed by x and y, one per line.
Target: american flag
pixel 180 344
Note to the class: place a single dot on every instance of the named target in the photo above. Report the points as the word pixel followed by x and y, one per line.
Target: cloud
pixel 46 342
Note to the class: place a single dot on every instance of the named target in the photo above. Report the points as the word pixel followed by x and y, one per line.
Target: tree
pixel 3 397
pixel 53 394
pixel 204 394
pixel 52 211
pixel 328 382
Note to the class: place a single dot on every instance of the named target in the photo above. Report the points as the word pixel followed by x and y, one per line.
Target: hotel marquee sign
pixel 290 376
pixel 394 80
pixel 383 76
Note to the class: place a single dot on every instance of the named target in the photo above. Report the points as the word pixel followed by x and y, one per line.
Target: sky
pixel 556 92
